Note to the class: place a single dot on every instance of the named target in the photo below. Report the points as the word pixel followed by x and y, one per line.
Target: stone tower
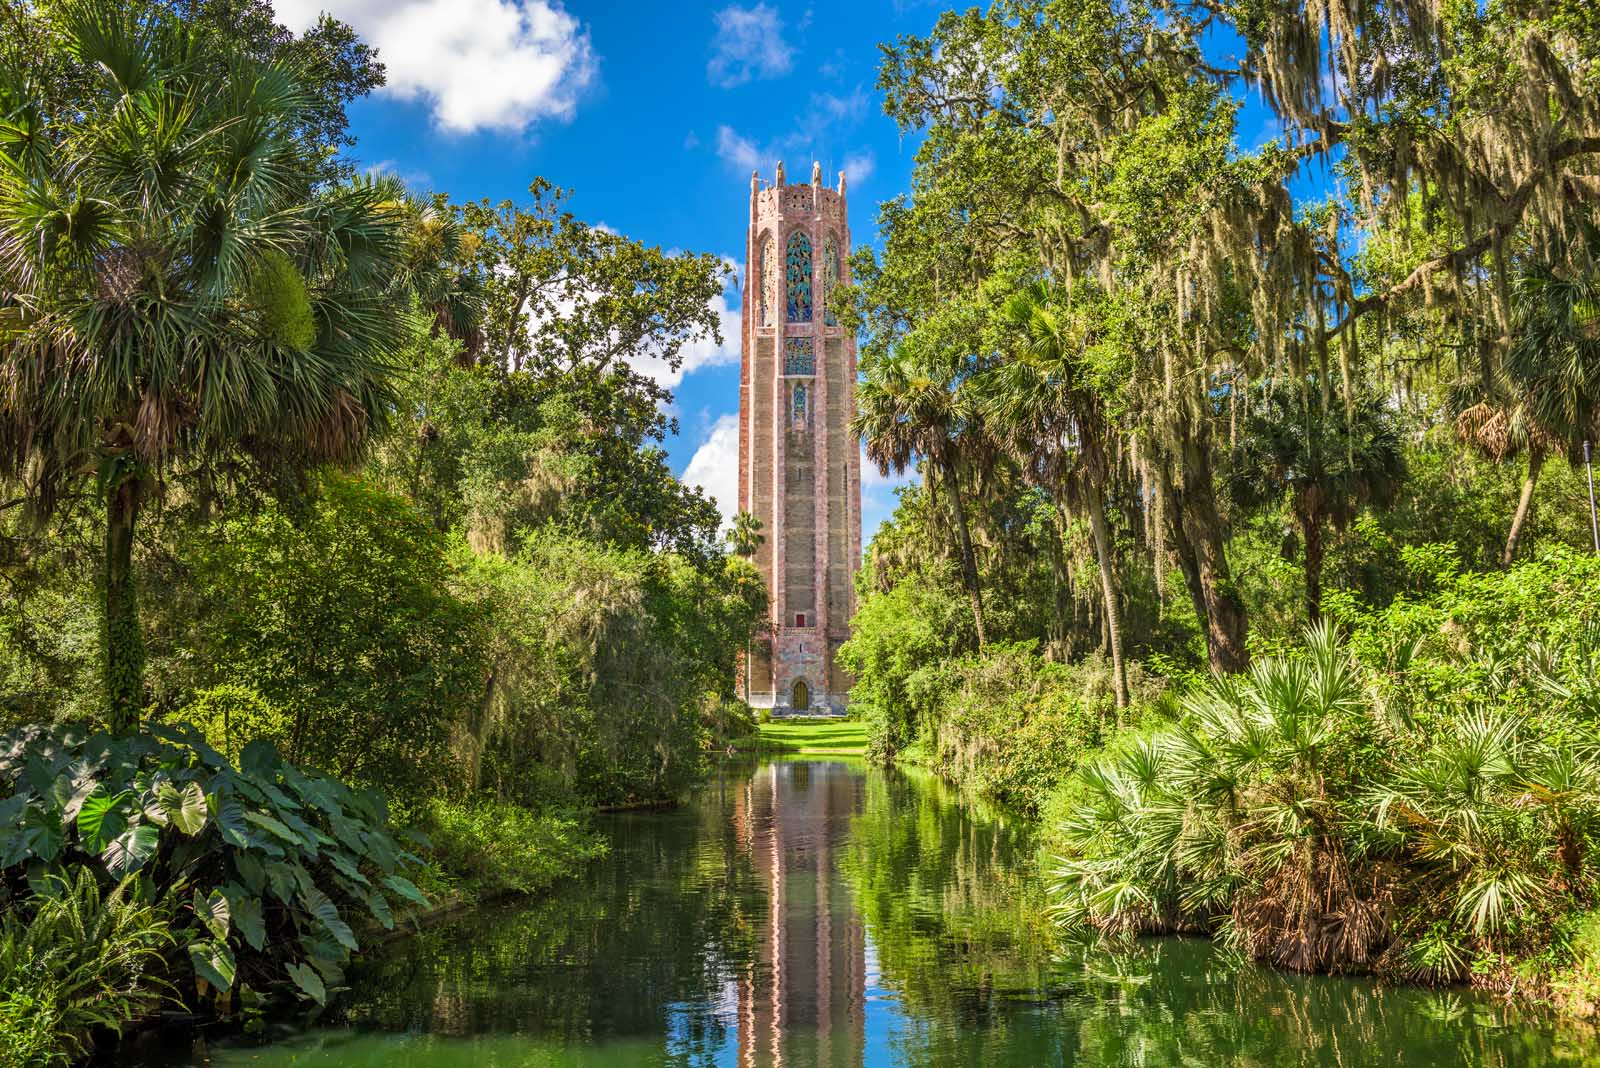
pixel 799 467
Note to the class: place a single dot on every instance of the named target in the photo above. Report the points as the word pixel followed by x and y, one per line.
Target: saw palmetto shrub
pixel 1422 800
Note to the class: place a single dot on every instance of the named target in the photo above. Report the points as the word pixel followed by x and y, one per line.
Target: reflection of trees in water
pixel 659 925
pixel 948 895
pixel 666 936
pixel 951 903
pixel 1170 1001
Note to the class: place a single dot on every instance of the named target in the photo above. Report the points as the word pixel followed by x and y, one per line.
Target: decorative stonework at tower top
pixel 799 468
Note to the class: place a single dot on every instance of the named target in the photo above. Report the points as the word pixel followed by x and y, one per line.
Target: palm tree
pixel 1056 429
pixel 436 265
pixel 172 289
pixel 1329 463
pixel 1546 398
pixel 745 536
pixel 905 410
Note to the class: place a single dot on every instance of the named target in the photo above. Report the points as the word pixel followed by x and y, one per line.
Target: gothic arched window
pixel 767 273
pixel 830 268
pixel 798 276
pixel 797 410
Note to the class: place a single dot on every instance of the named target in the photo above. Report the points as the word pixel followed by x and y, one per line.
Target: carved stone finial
pixel 816 173
pixel 841 183
pixel 780 172
pixel 755 182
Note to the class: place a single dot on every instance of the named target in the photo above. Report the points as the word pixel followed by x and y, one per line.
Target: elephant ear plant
pixel 246 857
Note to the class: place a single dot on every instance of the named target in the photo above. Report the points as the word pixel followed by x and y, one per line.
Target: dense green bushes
pixel 1010 724
pixel 342 618
pixel 1422 800
pixel 606 668
pixel 488 848
pixel 249 857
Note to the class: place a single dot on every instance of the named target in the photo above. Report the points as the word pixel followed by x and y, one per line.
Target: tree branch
pixel 1513 207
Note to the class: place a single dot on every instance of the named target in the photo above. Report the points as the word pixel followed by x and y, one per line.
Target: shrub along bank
pixel 1413 791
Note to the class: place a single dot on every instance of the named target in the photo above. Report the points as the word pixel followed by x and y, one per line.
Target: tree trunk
pixel 1524 507
pixel 1061 589
pixel 1178 542
pixel 124 663
pixel 1226 623
pixel 1310 519
pixel 1102 552
pixel 969 560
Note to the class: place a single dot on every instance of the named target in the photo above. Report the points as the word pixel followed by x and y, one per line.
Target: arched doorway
pixel 801 701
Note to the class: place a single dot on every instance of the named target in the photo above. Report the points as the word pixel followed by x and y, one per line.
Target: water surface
pixel 818 913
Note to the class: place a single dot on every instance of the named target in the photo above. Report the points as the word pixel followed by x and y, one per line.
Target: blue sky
pixel 653 115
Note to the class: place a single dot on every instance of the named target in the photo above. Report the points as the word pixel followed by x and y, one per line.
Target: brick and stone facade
pixel 799 467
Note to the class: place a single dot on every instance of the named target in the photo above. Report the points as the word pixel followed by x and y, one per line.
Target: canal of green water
pixel 820 913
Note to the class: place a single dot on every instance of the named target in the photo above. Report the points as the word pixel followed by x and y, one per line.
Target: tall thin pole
pixel 1594 520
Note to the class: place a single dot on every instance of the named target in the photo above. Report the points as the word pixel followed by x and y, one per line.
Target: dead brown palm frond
pixel 1487 428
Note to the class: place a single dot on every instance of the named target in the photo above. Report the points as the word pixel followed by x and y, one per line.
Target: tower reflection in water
pixel 802 1000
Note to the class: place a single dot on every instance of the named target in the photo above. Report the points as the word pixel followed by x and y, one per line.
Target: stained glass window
pixel 798 410
pixel 798 357
pixel 768 274
pixel 830 267
pixel 798 275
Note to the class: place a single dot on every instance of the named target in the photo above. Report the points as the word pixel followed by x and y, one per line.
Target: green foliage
pixel 231 716
pixel 342 620
pixel 75 958
pixel 279 295
pixel 608 666
pixel 1423 801
pixel 497 848
pixel 262 866
pixel 1011 725
pixel 162 334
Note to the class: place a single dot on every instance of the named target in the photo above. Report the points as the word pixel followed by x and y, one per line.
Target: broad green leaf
pixel 326 912
pixel 406 889
pixel 129 851
pixel 247 917
pixel 44 834
pixel 11 809
pixel 346 867
pixel 60 793
pixel 213 962
pixel 190 813
pixel 38 774
pixel 259 760
pixel 231 823
pixel 13 848
pixel 309 982
pixel 250 870
pixel 214 912
pixel 101 818
pixel 261 819
pixel 381 850
pixel 379 905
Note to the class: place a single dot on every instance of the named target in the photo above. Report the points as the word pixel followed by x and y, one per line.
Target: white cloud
pixel 417 181
pixel 832 108
pixel 715 466
pixel 858 167
pixel 477 64
pixel 739 152
pixel 749 45
pixel 816 134
pixel 878 495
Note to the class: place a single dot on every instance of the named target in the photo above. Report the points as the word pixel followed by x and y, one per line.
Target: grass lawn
pixel 832 737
